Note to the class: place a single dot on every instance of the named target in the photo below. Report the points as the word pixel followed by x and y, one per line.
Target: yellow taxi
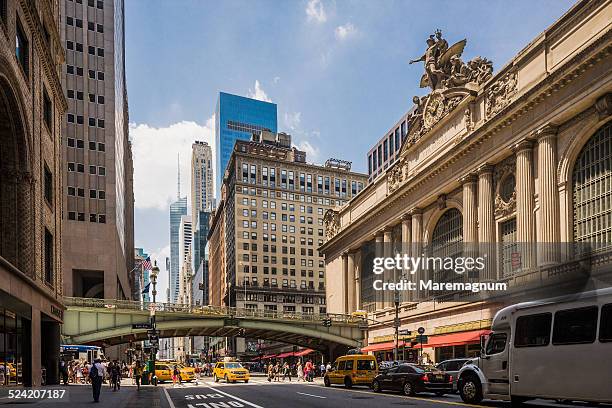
pixel 187 373
pixel 163 372
pixel 230 371
pixel 352 370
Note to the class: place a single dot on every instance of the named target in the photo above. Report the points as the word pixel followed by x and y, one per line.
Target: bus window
pixel 533 330
pixel 605 326
pixel 575 326
pixel 496 344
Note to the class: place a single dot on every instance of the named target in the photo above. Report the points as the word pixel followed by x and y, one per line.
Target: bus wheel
pixel 326 381
pixel 471 390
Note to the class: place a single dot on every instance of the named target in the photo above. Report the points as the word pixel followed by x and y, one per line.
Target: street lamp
pixel 154 273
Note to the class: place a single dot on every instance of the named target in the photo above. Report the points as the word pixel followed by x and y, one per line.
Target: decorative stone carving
pixel 603 106
pixel 395 177
pixel 441 201
pixel 331 221
pixel 503 208
pixel 467 118
pixel 500 94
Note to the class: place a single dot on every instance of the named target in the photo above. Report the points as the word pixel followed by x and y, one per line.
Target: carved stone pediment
pixel 395 177
pixel 331 221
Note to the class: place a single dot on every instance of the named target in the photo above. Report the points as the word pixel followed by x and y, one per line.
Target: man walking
pixel 96 374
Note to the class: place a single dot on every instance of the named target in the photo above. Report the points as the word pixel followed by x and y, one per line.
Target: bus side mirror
pixel 482 345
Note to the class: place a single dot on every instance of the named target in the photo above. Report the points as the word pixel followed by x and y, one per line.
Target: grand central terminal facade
pixel 514 164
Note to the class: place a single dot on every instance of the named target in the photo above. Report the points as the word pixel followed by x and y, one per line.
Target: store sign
pixel 57 312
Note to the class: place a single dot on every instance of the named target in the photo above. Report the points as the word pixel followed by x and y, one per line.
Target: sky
pixel 338 71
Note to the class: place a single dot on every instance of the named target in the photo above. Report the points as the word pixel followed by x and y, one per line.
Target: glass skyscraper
pixel 237 118
pixel 177 210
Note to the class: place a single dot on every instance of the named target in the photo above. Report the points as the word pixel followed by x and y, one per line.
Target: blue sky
pixel 338 71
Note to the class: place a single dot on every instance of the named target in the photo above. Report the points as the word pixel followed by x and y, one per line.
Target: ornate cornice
pixel 603 106
pixel 485 168
pixel 546 131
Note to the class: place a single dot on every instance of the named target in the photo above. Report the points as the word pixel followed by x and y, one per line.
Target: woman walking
pixel 300 372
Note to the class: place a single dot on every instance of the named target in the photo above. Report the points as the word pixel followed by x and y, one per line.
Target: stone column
pixel 351 282
pixel 470 216
pixel 388 244
pixel 378 295
pixel 417 243
pixel 486 220
pixel 358 305
pixel 525 219
pixel 548 229
pixel 345 274
pixel 406 246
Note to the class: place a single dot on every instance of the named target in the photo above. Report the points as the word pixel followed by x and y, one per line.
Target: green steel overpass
pixel 109 321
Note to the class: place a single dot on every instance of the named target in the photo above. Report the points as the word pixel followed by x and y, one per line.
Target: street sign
pixel 421 330
pixel 421 338
pixel 141 326
pixel 397 322
pixel 154 338
pixel 153 332
pixel 404 332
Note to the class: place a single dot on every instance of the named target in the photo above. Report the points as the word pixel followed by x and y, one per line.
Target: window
pixel 447 241
pixel 70 69
pixel 496 343
pixel 510 251
pixel 100 28
pixel 48 185
pixel 22 49
pixel 575 326
pixel 47 110
pixel 341 365
pixel 349 365
pixel 533 330
pixel 365 365
pixel 592 195
pixel 605 326
pixel 100 76
pixel 91 26
pixel 100 52
pixel 48 257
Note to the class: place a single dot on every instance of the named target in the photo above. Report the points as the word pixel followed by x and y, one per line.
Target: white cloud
pixel 292 120
pixel 258 93
pixel 346 31
pixel 312 152
pixel 315 11
pixel 155 152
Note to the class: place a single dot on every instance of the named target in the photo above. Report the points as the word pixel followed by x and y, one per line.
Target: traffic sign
pixel 421 330
pixel 141 326
pixel 397 322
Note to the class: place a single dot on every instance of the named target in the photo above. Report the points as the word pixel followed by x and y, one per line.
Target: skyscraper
pixel 237 118
pixel 98 168
pixel 202 198
pixel 177 210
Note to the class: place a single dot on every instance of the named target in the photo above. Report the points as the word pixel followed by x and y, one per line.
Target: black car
pixel 412 379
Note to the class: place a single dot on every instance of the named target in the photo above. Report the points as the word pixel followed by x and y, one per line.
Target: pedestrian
pixel 270 372
pixel 175 375
pixel 96 374
pixel 138 369
pixel 115 376
pixel 308 369
pixel 328 367
pixel 300 371
pixel 322 368
pixel 64 371
pixel 286 372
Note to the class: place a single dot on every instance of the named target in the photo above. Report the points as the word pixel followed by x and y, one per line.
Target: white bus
pixel 559 348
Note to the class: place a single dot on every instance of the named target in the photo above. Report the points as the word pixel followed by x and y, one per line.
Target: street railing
pixel 226 312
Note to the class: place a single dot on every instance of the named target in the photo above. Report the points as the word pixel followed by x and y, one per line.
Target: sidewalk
pixel 81 396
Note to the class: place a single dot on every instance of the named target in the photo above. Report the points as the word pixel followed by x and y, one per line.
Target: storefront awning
pixel 381 346
pixel 455 339
pixel 303 352
pixel 268 356
pixel 283 355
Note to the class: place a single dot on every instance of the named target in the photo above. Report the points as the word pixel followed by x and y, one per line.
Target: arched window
pixel 592 190
pixel 447 242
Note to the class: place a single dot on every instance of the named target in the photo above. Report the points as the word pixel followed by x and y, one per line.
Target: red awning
pixel 454 339
pixel 381 346
pixel 268 356
pixel 303 352
pixel 283 355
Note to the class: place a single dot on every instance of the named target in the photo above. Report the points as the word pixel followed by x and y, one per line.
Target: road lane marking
pixel 234 397
pixel 461 404
pixel 168 398
pixel 311 395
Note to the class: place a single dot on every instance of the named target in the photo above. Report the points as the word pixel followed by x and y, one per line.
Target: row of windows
pixel 79 216
pixel 71 69
pixel 284 206
pixel 78 47
pixel 284 238
pixel 385 150
pixel 572 326
pixel 299 181
pixel 80 192
pixel 91 26
pixel 80 168
pixel 284 217
pixel 288 196
pixel 99 4
pixel 80 144
pixel 285 250
pixel 78 95
pixel 286 283
pixel 91 121
pixel 287 309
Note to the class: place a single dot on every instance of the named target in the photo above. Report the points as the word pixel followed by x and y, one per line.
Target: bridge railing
pixel 208 310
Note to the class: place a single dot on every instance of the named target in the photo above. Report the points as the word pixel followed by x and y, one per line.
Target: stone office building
pixel 520 159
pixel 272 214
pixel 32 105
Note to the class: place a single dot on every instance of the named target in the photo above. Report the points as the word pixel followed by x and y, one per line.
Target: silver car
pixel 452 367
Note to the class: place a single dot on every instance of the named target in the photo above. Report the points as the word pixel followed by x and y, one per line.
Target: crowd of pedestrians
pixel 305 372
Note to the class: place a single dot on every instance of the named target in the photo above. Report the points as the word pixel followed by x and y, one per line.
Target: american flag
pixel 146 264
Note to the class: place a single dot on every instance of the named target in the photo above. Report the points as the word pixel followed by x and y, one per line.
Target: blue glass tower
pixel 236 118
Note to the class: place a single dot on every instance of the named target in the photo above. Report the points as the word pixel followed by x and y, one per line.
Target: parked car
pixel 452 367
pixel 412 379
pixel 354 369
